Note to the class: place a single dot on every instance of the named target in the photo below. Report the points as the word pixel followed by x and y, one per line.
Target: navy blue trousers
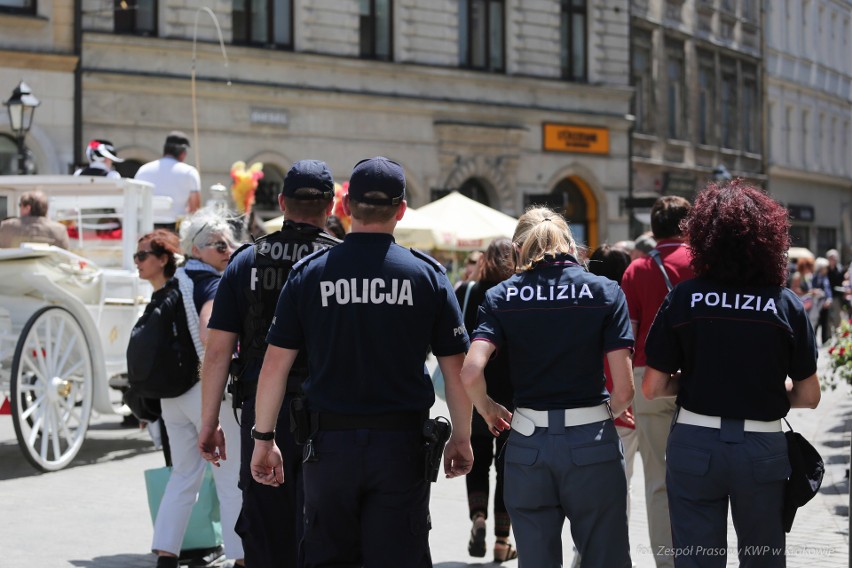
pixel 270 522
pixel 706 468
pixel 367 501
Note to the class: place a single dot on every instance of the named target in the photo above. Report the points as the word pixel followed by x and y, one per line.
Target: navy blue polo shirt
pixel 734 345
pixel 204 286
pixel 367 311
pixel 558 322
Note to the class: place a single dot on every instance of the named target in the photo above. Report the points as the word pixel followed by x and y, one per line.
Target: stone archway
pixel 490 173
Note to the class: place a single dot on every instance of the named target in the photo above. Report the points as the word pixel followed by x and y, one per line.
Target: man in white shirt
pixel 172 178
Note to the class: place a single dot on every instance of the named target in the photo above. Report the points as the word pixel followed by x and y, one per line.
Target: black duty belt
pixel 395 421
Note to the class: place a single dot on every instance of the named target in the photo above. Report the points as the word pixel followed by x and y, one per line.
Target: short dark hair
pixel 667 214
pixel 334 226
pixel 306 202
pixel 36 201
pixel 368 213
pixel 738 235
pixel 609 262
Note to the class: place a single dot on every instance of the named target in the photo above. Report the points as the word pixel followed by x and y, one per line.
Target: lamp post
pixel 21 106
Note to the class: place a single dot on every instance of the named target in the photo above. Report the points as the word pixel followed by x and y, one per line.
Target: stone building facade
pixel 37 45
pixel 460 92
pixel 809 110
pixel 696 68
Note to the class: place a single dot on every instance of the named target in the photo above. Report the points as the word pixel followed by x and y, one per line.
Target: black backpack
pixel 161 357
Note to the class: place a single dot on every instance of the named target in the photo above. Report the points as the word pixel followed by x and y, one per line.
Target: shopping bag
pixel 205 526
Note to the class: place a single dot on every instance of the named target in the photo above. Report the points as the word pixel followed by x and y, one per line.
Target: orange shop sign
pixel 570 138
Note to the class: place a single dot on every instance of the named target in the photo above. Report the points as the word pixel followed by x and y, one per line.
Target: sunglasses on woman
pixel 220 246
pixel 142 255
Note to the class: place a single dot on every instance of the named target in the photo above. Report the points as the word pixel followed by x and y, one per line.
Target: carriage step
pixel 5 408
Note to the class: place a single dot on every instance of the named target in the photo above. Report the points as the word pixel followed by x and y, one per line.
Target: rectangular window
pixel 642 81
pixel 826 239
pixel 706 98
pixel 573 37
pixel 751 110
pixel 376 29
pixel 676 91
pixel 18 6
pixel 750 10
pixel 481 34
pixel 267 23
pixel 729 104
pixel 800 236
pixel 806 132
pixel 138 17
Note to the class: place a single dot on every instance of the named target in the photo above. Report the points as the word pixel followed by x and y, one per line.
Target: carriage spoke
pixel 64 374
pixel 55 340
pixel 39 373
pixel 44 429
pixel 39 356
pixel 54 434
pixel 34 406
pixel 69 349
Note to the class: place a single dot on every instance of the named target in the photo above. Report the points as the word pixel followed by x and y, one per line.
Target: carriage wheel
pixel 51 390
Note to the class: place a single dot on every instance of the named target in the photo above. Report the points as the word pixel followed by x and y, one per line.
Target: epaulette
pixel 307 259
pixel 424 256
pixel 236 252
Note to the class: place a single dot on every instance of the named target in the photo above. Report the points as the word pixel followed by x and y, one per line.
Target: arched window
pixel 8 156
pixel 472 188
pixel 268 188
pixel 573 199
pixel 128 168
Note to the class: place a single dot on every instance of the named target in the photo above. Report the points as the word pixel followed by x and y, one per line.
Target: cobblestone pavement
pixel 94 514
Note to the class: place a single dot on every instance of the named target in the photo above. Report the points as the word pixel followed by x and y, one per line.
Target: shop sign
pixel 804 213
pixel 676 183
pixel 271 116
pixel 571 138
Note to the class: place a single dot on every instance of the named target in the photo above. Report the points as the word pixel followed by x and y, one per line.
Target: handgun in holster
pixel 234 388
pixel 436 433
pixel 300 420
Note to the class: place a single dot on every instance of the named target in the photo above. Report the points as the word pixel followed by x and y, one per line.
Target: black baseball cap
pixel 178 138
pixel 377 174
pixel 313 174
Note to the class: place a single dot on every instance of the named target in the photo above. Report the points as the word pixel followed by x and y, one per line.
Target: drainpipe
pixel 78 84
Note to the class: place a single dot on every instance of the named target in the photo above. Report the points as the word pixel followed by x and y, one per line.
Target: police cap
pixel 313 174
pixel 377 174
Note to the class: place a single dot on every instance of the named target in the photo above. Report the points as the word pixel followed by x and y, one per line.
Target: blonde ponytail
pixel 541 232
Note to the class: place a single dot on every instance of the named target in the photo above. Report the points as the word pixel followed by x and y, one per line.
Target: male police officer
pixel 271 519
pixel 366 311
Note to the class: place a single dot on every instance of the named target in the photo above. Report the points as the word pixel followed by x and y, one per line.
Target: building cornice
pixel 36 60
pixel 776 171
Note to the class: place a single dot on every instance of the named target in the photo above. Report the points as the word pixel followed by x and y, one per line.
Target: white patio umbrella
pixel 415 230
pixel 462 224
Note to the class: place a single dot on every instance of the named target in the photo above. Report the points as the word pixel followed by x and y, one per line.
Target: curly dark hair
pixel 164 243
pixel 738 235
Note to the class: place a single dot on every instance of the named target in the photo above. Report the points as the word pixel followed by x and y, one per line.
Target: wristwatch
pixel 265 436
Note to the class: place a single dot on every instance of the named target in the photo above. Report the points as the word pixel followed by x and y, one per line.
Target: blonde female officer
pixel 563 457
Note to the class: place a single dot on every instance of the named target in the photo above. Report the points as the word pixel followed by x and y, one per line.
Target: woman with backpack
pixel 207 244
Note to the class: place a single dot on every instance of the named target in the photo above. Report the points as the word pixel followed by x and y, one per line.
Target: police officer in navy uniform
pixel 271 519
pixel 735 334
pixel 367 312
pixel 564 457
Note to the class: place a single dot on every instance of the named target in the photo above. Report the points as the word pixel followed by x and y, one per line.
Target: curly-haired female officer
pixel 735 333
pixel 563 458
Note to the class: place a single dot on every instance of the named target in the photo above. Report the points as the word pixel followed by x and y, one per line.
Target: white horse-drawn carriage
pixel 66 315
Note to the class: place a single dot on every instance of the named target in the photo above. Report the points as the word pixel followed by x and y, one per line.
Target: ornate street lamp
pixel 21 106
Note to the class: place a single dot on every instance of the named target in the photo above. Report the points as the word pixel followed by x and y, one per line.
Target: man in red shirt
pixel 645 288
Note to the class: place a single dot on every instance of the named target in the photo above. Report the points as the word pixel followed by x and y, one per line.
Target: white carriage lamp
pixel 21 106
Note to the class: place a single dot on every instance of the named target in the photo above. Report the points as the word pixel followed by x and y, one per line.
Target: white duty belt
pixel 526 420
pixel 685 416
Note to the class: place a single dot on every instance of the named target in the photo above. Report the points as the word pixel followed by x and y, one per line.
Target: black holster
pixel 436 433
pixel 300 420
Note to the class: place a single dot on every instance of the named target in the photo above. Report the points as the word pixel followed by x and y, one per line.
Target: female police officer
pixel 563 457
pixel 735 334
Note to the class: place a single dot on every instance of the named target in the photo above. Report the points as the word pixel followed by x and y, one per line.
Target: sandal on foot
pixel 503 551
pixel 476 545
